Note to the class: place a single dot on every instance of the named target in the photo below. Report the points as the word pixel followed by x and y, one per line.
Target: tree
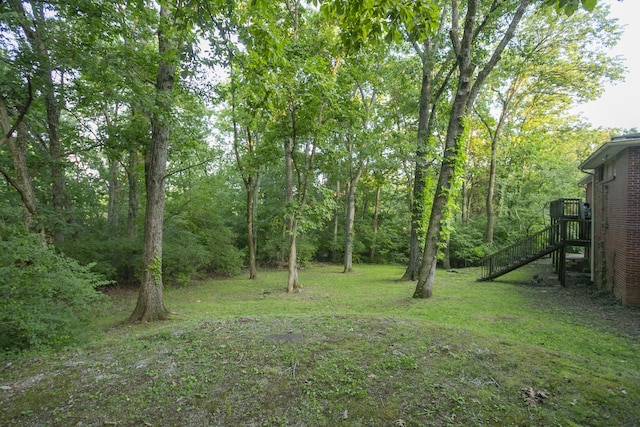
pixel 250 81
pixel 495 134
pixel 542 67
pixel 306 87
pixel 355 172
pixel 251 181
pixel 35 36
pixel 17 145
pixel 437 71
pixel 372 23
pixel 150 305
pixel 396 160
pixel 469 84
pixel 361 136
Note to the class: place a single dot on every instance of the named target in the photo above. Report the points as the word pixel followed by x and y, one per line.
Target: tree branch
pixel 495 57
pixel 4 114
pixel 177 171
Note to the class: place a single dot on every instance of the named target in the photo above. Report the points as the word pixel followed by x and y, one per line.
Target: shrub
pixel 45 297
pixel 182 256
pixel 115 256
pixel 276 249
pixel 224 259
pixel 196 245
pixel 467 245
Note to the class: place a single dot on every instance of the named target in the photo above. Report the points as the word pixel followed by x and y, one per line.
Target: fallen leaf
pixel 532 396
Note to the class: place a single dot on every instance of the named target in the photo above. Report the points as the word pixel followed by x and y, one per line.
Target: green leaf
pixel 590 5
pixel 570 8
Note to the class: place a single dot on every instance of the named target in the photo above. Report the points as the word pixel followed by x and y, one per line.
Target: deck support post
pixel 562 265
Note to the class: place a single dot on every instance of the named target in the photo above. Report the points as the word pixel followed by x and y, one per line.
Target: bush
pixel 467 245
pixel 275 250
pixel 45 297
pixel 182 256
pixel 197 245
pixel 115 256
pixel 391 243
pixel 224 259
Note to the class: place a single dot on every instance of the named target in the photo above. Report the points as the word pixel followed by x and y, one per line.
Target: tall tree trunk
pixel 249 178
pixel 150 305
pixel 376 213
pixel 491 216
pixel 336 223
pixel 113 188
pixel 254 213
pixel 426 112
pixel 466 93
pixel 417 212
pixel 424 287
pixel 132 181
pixel 350 213
pixel 496 134
pixel 293 283
pixel 253 270
pixel 251 183
pixel 349 220
pixel 18 149
pixel 34 33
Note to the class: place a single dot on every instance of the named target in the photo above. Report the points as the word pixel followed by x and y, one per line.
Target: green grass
pixel 370 356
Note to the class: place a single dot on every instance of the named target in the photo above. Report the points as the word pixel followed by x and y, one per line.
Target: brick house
pixel 613 193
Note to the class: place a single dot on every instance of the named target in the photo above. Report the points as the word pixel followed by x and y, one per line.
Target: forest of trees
pixel 156 142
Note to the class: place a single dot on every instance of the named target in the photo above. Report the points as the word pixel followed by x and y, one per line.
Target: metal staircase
pixel 569 227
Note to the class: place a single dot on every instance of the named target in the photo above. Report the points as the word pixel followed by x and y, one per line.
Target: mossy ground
pixel 500 353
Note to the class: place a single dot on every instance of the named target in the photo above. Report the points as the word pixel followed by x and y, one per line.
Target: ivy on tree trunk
pixel 466 93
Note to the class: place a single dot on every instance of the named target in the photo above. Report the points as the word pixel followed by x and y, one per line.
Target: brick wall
pixel 632 278
pixel 616 220
pixel 598 217
pixel 616 233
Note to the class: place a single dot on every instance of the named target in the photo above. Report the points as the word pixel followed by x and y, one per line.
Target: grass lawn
pixel 352 350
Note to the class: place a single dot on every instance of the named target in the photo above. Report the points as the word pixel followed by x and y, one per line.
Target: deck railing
pixel 563 232
pixel 566 208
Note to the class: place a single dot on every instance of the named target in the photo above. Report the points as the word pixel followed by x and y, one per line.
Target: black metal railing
pixel 562 232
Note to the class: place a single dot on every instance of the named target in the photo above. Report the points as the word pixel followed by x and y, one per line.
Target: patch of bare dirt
pixel 581 298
